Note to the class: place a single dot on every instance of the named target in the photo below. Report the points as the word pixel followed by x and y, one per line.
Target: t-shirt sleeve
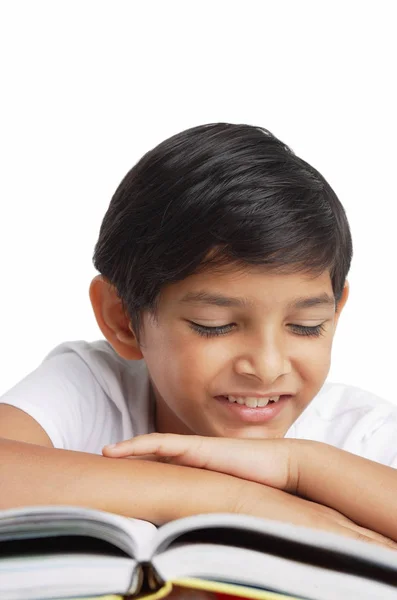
pixel 380 440
pixel 65 398
pixel 354 420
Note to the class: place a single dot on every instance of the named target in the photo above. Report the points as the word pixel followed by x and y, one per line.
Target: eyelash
pixel 207 332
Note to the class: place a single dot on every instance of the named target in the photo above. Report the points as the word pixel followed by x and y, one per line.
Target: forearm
pixel 157 492
pixel 363 490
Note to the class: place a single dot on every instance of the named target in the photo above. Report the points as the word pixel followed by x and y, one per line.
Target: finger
pixel 344 526
pixel 370 537
pixel 168 446
pixel 358 532
pixel 141 445
pixel 186 450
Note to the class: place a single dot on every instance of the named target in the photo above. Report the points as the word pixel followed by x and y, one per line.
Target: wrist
pixel 313 465
pixel 304 457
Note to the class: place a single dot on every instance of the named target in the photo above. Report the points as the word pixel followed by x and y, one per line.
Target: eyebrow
pixel 203 297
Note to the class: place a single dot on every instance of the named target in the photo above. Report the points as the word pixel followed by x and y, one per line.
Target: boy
pixel 223 260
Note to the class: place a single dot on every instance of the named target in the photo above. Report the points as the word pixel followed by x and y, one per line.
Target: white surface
pixel 88 86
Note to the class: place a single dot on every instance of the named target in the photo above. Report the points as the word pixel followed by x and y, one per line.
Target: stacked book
pixel 57 552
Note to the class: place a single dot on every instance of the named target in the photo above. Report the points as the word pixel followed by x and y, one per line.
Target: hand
pixel 277 505
pixel 270 462
pixel 274 463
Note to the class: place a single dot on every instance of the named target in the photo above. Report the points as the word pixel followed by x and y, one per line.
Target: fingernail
pixel 110 446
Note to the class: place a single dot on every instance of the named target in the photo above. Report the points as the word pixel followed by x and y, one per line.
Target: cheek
pixel 313 357
pixel 197 361
pixel 181 363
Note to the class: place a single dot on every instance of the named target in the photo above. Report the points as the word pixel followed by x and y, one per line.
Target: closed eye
pixel 302 330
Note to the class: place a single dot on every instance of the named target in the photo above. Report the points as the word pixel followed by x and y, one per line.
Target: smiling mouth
pixel 250 415
pixel 251 401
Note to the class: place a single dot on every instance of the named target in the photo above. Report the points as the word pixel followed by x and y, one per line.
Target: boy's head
pixel 223 227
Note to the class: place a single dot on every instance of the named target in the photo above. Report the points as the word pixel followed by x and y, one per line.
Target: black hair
pixel 213 195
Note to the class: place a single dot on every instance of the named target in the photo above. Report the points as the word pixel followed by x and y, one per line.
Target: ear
pixel 342 302
pixel 112 319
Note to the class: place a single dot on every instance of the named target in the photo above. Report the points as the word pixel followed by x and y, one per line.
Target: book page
pixel 107 597
pixel 76 575
pixel 315 538
pixel 267 571
pixel 52 521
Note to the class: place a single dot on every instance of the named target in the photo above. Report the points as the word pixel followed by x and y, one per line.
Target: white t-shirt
pixel 86 396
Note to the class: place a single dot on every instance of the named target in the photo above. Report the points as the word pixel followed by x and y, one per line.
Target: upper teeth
pixel 252 402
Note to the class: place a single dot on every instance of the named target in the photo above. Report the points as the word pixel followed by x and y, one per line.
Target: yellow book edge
pixel 107 597
pixel 163 592
pixel 200 584
pixel 228 588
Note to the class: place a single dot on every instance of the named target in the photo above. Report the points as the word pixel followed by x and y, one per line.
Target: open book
pixel 63 551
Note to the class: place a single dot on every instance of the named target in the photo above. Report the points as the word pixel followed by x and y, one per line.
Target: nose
pixel 265 359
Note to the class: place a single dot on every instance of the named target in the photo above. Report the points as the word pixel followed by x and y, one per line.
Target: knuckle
pixel 361 537
pixel 389 543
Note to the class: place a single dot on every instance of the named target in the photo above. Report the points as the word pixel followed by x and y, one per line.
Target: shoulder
pixel 352 419
pixel 95 360
pixel 84 395
pixel 124 383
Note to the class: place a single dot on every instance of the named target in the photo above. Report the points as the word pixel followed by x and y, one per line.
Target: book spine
pixel 149 579
pixel 136 582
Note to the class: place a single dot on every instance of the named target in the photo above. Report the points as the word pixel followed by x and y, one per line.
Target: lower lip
pixel 260 414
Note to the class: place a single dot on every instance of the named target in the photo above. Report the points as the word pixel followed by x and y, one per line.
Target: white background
pixel 88 86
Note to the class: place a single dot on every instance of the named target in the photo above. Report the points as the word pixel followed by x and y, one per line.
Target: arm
pixel 156 492
pixel 362 490
pixel 34 474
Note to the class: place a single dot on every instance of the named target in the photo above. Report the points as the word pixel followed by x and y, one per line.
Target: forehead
pixel 252 288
